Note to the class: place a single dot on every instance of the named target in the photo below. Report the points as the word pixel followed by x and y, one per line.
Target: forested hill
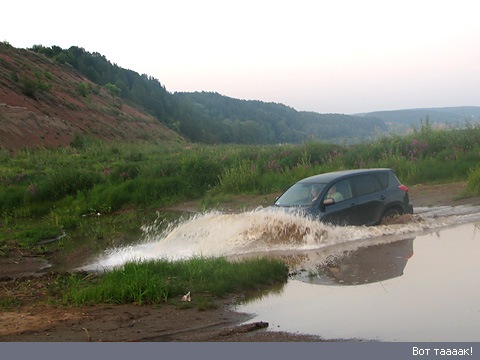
pixel 408 118
pixel 143 90
pixel 251 121
pixel 209 117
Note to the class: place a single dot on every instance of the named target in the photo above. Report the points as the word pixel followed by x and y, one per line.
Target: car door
pixel 370 198
pixel 343 212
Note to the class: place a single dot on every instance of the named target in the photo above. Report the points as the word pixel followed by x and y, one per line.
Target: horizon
pixel 346 57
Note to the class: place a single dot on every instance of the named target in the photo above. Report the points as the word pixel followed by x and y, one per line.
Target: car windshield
pixel 300 194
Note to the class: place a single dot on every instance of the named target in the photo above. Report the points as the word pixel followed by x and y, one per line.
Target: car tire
pixel 389 214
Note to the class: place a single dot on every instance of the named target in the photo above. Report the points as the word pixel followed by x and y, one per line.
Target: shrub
pixel 63 182
pixel 29 88
pixel 474 180
pixel 12 198
pixel 83 89
pixel 199 174
pixel 242 177
pixel 124 172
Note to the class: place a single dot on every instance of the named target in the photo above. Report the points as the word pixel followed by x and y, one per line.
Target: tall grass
pixel 474 180
pixel 95 176
pixel 160 281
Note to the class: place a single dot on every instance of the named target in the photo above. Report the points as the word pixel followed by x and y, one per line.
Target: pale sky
pixel 337 56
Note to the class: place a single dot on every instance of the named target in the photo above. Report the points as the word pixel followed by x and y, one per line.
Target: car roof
pixel 330 176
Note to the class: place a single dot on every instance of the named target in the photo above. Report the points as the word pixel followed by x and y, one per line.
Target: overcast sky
pixel 337 56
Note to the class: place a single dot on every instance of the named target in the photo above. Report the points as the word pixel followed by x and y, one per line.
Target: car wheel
pixel 389 215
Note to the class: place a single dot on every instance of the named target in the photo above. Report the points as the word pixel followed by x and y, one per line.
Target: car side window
pixel 384 178
pixel 366 184
pixel 339 191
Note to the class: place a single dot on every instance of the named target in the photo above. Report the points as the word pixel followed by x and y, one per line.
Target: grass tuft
pixel 161 281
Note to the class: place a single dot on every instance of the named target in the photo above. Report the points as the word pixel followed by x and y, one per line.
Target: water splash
pixel 216 234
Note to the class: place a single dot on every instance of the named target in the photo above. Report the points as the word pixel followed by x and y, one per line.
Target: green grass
pixel 82 190
pixel 162 281
pixel 474 180
pixel 58 186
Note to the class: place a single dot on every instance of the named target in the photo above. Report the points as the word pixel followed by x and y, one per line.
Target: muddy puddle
pixel 425 288
pixel 414 280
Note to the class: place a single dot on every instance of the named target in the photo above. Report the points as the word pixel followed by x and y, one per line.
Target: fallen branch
pixel 247 328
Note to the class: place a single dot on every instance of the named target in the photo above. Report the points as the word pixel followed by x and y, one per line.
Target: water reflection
pixel 384 292
pixel 366 265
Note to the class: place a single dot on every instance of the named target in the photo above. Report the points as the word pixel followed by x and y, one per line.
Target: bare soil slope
pixel 42 105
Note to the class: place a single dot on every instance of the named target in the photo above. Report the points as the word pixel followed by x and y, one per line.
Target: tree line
pixel 213 118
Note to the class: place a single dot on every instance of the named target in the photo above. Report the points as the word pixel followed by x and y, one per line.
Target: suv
pixel 349 197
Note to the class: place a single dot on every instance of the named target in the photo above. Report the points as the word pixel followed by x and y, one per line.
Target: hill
pixel 257 122
pixel 401 120
pixel 48 95
pixel 214 118
pixel 47 103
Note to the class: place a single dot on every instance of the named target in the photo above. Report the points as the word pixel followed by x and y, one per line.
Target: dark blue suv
pixel 349 197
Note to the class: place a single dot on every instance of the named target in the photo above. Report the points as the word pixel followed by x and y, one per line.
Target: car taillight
pixel 403 187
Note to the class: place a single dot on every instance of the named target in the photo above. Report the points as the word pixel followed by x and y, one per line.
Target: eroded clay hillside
pixel 43 103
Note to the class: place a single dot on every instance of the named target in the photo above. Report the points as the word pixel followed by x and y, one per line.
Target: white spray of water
pixel 216 234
